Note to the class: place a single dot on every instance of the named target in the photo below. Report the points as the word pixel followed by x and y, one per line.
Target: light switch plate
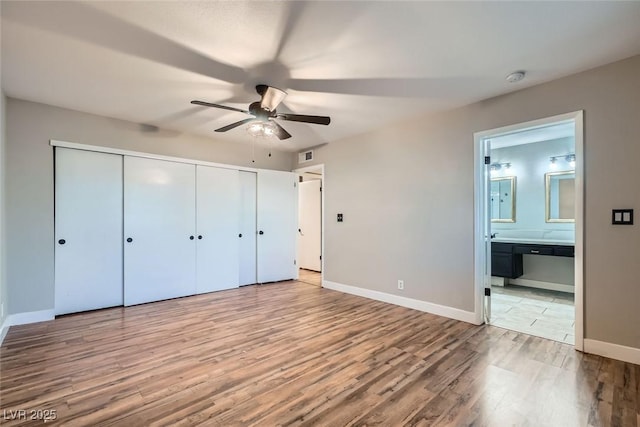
pixel 622 216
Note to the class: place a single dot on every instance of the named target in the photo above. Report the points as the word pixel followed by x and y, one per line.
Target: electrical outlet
pixel 401 284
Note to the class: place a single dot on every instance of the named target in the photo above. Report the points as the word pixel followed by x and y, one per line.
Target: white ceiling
pixel 365 64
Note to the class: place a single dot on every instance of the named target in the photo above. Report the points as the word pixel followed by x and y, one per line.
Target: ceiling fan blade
pixel 224 107
pixel 234 125
pixel 280 132
pixel 271 96
pixel 318 120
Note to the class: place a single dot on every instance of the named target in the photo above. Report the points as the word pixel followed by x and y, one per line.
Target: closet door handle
pixel 191 237
pixel 240 235
pixel 261 232
pixel 129 239
pixel 62 241
pixel 199 236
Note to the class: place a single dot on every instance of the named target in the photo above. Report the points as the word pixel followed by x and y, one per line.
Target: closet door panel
pixel 277 225
pixel 248 230
pixel 218 222
pixel 159 223
pixel 88 230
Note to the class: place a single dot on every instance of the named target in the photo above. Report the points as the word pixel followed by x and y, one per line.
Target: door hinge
pixel 295 184
pixel 294 262
pixel 487 160
pixel 320 256
pixel 487 292
pixel 320 188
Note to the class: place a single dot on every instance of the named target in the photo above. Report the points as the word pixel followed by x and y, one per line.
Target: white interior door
pixel 218 222
pixel 159 228
pixel 247 230
pixel 88 230
pixel 310 224
pixel 277 225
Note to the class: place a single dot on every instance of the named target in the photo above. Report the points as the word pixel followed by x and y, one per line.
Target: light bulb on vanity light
pixel 553 163
pixel 571 159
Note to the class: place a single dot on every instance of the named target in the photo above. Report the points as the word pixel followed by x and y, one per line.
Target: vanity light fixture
pixel 569 158
pixel 495 167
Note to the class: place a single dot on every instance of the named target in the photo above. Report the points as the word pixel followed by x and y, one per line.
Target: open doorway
pixel 310 224
pixel 529 228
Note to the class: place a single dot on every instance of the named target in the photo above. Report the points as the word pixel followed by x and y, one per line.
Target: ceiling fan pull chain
pixel 253 150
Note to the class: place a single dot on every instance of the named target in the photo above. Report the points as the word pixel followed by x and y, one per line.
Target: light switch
pixel 339 217
pixel 622 216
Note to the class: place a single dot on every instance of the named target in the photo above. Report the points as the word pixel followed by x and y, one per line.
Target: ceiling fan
pixel 264 112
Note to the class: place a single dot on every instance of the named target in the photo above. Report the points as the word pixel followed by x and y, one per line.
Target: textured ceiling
pixel 365 64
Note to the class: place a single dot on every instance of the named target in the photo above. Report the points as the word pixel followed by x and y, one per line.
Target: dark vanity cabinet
pixel 506 258
pixel 504 261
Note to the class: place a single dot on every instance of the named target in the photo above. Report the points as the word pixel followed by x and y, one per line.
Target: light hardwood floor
pixel 309 276
pixel 295 354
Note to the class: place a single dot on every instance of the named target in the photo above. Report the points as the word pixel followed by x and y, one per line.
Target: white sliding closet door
pixel 218 221
pixel 310 224
pixel 277 225
pixel 159 224
pixel 247 232
pixel 88 230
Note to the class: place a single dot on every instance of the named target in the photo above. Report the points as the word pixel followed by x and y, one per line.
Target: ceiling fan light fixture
pixel 261 128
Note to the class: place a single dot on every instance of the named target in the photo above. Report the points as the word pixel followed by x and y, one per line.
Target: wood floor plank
pixel 295 354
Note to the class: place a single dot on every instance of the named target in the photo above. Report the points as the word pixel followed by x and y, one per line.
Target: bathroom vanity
pixel 508 259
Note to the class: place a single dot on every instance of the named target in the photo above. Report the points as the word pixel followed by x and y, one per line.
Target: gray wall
pixel 29 182
pixel 3 281
pixel 407 194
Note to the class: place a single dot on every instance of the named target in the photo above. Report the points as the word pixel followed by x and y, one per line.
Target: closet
pixel 133 229
pixel 218 225
pixel 159 230
pixel 88 231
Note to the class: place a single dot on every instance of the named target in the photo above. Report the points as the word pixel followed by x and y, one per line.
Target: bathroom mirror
pixel 503 199
pixel 560 196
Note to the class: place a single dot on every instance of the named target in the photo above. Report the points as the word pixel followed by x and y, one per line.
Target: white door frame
pixel 308 169
pixel 481 214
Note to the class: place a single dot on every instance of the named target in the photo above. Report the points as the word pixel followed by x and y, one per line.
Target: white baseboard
pixel 613 351
pixel 428 307
pixel 24 318
pixel 543 285
pixel 4 328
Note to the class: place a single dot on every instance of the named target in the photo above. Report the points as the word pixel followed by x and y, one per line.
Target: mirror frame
pixel 513 198
pixel 547 196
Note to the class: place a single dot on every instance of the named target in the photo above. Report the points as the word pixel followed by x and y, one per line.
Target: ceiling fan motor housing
pixel 256 109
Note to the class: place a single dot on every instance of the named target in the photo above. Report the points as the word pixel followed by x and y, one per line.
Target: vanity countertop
pixel 533 241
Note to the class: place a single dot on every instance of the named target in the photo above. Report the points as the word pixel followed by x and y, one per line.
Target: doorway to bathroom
pixel 529 227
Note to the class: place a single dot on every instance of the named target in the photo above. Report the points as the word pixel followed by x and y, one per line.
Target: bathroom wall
pixel 529 164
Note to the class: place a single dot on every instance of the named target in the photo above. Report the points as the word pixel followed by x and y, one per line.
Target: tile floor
pixel 310 277
pixel 539 312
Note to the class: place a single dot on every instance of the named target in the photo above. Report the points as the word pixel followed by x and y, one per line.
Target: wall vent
pixel 305 156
